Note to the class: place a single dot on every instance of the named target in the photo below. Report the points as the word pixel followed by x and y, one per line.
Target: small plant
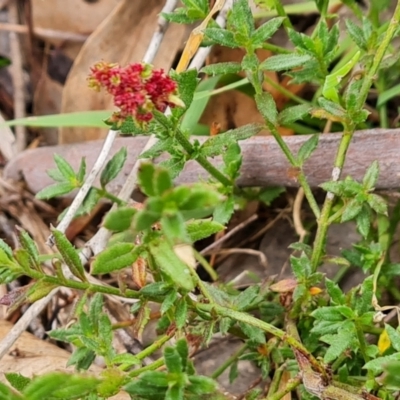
pixel 331 344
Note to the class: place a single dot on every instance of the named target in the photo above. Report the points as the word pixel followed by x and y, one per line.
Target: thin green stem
pixel 273 388
pixel 104 193
pixel 323 220
pixel 280 10
pixel 291 385
pixel 284 91
pixel 379 54
pixel 250 320
pixel 154 346
pixel 214 172
pixel 151 367
pixel 206 265
pixel 91 287
pixel 228 362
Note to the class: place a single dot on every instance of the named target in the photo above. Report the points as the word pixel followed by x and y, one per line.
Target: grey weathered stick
pixel 263 161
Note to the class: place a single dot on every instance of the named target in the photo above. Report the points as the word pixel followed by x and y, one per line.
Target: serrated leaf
pixel 58 189
pixel 146 178
pixel 119 220
pixel 174 165
pixel 181 313
pixel 377 203
pixel 69 255
pixel 378 365
pixel 30 246
pixel 267 107
pixel 158 148
pixel 333 187
pixel 332 108
pixel 216 145
pixel 283 62
pixel 265 31
pixel 65 168
pixel 292 114
pixel 6 249
pixel 371 176
pixel 224 211
pixel 113 167
pixel 240 19
pixel 222 68
pixel 202 228
pixel 220 36
pixel 339 343
pixel 351 210
pixel 247 297
pixel 394 336
pixel 115 257
pixel 168 301
pixel 253 333
pixel 173 360
pixel 187 84
pixel 334 291
pixel 356 34
pixel 307 148
pixel 269 194
pixel 172 265
pixel 363 221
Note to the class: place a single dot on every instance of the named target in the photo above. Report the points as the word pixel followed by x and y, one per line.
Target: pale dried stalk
pixel 17 74
pixel 109 141
pixel 44 33
pixel 35 309
pixel 99 241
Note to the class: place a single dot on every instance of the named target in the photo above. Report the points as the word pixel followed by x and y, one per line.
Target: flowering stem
pixel 214 172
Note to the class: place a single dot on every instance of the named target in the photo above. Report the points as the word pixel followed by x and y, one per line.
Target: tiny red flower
pixel 137 89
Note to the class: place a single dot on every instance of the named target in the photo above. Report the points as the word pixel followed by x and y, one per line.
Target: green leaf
pixel 246 298
pixel 187 84
pixel 82 358
pixel 201 384
pixel 162 181
pixel 57 385
pixel 30 246
pixel 307 148
pixel 269 194
pixel 158 148
pixel 202 228
pixel 363 221
pixel 150 385
pixel 175 392
pixel 172 265
pixel 58 189
pixel 224 210
pixel 220 36
pixel 113 167
pixel 80 176
pixel 181 313
pixel 292 114
pixel 283 62
pixel 379 364
pixel 6 249
pixel 371 176
pixel 377 203
pixel 173 360
pixel 6 393
pixel 145 219
pixel 146 178
pixel 267 107
pixel 364 302
pixel 200 101
pixel 240 19
pixel 119 220
pixel 339 343
pixel 335 293
pixel 76 119
pixel 174 228
pixel 222 68
pixel 356 34
pixel 253 333
pixel 394 335
pixel 183 349
pixel 332 314
pixel 351 210
pixel 174 165
pixel 17 381
pixel 332 108
pixel 115 257
pixel 301 266
pixel 168 301
pixel 65 168
pixel 265 31
pixel 218 144
pixel 69 255
pixel 156 289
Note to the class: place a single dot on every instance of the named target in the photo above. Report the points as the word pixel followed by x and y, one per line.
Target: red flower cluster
pixel 137 89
